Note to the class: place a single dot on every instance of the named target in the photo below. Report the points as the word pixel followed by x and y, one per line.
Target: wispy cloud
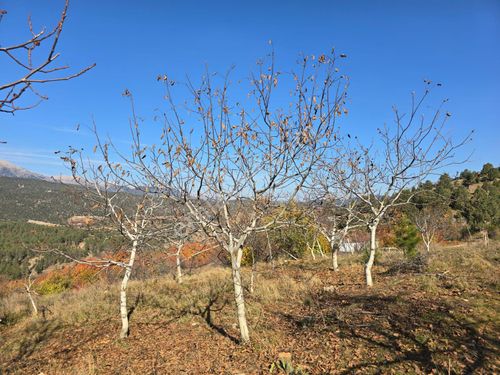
pixel 40 161
pixel 35 161
pixel 38 157
pixel 62 130
pixel 73 130
pixel 31 154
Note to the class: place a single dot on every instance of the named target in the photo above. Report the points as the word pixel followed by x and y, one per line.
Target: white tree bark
pixel 236 254
pixel 486 238
pixel 178 265
pixel 311 249
pixel 123 292
pixel 32 300
pixel 427 239
pixel 33 304
pixel 320 248
pixel 428 246
pixel 252 277
pixel 371 259
pixel 428 221
pixel 28 285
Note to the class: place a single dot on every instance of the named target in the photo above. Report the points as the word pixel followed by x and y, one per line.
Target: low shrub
pixel 55 283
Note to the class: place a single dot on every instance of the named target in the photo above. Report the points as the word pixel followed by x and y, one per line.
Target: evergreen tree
pixel 468 177
pixel 407 237
pixel 460 199
pixel 489 172
pixel 484 210
pixel 444 187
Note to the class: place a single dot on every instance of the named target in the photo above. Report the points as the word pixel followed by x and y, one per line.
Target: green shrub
pixel 55 284
pixel 407 237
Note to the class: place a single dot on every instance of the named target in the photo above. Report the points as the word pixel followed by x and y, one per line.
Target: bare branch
pixel 31 73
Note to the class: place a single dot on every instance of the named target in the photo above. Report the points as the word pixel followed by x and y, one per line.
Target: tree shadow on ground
pixel 137 301
pixel 206 314
pixel 205 305
pixel 400 331
pixel 36 333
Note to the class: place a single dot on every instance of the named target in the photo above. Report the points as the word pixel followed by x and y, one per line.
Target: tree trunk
pixel 428 246
pixel 311 249
pixel 270 250
pixel 371 259
pixel 236 255
pixel 427 239
pixel 178 276
pixel 335 250
pixel 252 281
pixel 486 239
pixel 32 301
pixel 123 292
pixel 320 249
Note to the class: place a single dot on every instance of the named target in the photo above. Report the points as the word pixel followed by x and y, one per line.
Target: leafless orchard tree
pixel 404 156
pixel 179 244
pixel 184 230
pixel 35 62
pixel 315 245
pixel 429 220
pixel 28 287
pixel 334 210
pixel 135 208
pixel 232 162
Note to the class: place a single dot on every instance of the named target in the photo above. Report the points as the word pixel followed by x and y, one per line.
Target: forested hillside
pixel 30 199
pixel 456 207
pixel 464 206
pixel 22 244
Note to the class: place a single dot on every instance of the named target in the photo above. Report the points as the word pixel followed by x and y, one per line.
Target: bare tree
pixel 34 69
pixel 336 216
pixel 380 175
pixel 132 206
pixel 184 230
pixel 429 220
pixel 334 207
pixel 233 162
pixel 28 286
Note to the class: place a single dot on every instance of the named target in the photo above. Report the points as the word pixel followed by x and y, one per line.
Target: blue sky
pixel 391 46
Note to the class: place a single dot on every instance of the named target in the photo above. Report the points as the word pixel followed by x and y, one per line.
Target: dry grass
pixel 14 307
pixel 442 319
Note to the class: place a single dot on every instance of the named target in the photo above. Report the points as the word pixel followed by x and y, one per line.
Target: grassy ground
pixel 439 316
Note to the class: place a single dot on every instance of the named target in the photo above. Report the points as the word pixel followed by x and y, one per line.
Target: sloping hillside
pixel 439 319
pixel 19 243
pixel 24 199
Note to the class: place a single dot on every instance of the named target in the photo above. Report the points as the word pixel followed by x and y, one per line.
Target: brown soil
pixel 427 322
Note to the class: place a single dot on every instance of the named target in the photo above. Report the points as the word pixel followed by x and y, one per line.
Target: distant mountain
pixel 26 195
pixel 8 169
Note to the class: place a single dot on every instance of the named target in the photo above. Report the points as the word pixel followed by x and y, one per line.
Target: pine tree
pixel 407 237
